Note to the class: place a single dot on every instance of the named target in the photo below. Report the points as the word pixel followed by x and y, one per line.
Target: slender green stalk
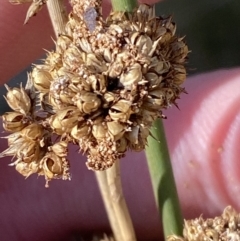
pixel 163 181
pixel 124 5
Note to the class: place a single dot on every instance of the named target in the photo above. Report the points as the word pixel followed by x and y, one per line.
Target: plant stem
pixel 124 5
pixel 58 15
pixel 163 181
pixel 105 193
pixel 109 183
pixel 119 203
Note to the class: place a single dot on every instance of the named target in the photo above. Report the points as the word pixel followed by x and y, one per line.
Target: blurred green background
pixel 212 30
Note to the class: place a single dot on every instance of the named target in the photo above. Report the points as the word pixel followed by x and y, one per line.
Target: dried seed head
pixel 102 89
pixel 18 100
pixel 224 227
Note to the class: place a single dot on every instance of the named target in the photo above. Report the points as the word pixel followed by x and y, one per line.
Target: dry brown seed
pixel 72 58
pixel 80 131
pixel 60 148
pixel 133 135
pixel 108 98
pixel 132 76
pixel 154 79
pixel 107 55
pixel 33 132
pixel 122 145
pixel 133 38
pixel 121 111
pixel 85 45
pixel 148 116
pixel 29 151
pixel 18 100
pixel 116 130
pixel 13 121
pixel 54 60
pixel 94 63
pixel 27 169
pixel 98 83
pixel 87 102
pixel 99 130
pixel 115 69
pixel 62 43
pixel 144 44
pixel 41 79
pixel 51 164
pixel 64 120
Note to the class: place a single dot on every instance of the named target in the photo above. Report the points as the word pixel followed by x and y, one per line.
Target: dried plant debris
pixel 102 88
pixel 34 8
pixel 223 228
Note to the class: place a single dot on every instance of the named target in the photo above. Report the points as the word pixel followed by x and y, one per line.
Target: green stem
pixel 124 5
pixel 163 181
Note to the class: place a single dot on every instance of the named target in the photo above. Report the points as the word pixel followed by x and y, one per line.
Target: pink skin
pixel 203 139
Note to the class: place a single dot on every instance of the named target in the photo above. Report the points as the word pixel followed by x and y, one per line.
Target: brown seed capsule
pixel 33 132
pixel 18 100
pixel 62 43
pixel 87 102
pixel 13 121
pixel 59 148
pixel 132 76
pixel 64 120
pixel 41 79
pixel 116 130
pixel 99 130
pixel 144 44
pixel 51 165
pixel 121 111
pixel 29 151
pixel 81 130
pixel 27 169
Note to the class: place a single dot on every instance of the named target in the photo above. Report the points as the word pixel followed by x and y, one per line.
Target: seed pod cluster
pixel 30 140
pixel 224 227
pixel 108 80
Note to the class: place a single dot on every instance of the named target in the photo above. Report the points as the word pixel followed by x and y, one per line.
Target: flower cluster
pixel 224 227
pixel 102 88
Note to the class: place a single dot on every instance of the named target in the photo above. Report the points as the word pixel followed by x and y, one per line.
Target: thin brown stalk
pixel 58 15
pixel 105 192
pixel 119 203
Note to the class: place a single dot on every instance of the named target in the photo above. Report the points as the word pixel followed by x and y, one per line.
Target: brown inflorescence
pixel 224 227
pixel 103 87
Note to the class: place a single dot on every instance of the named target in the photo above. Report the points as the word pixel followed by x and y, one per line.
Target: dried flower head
pixel 102 88
pixel 224 227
